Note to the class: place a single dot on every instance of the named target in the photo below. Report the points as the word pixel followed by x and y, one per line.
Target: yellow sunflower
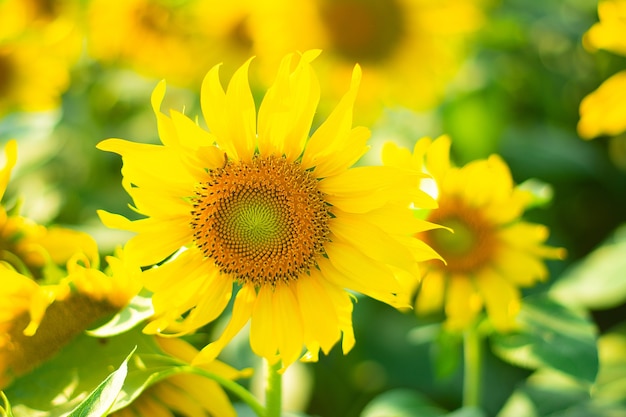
pixel 492 252
pixel 30 247
pixel 185 395
pixel 39 41
pixel 603 112
pixel 171 39
pixel 409 49
pixel 259 206
pixel 38 320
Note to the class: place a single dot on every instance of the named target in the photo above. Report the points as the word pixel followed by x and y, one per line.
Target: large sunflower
pixel 492 252
pixel 409 49
pixel 260 204
pixel 603 112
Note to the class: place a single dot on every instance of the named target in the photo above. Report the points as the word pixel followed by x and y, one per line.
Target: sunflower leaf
pixel 63 382
pixel 596 282
pixel 100 400
pixel 138 310
pixel 551 335
pixel 5 411
pixel 402 403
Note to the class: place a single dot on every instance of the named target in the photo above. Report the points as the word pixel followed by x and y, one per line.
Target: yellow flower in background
pixel 179 41
pixel 36 321
pixel 33 74
pixel 260 206
pixel 30 247
pixel 184 394
pixel 409 49
pixel 603 112
pixel 492 252
pixel 39 41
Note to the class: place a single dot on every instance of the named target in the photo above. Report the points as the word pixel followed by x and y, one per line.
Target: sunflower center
pixel 473 242
pixel 6 72
pixel 364 30
pixel 262 221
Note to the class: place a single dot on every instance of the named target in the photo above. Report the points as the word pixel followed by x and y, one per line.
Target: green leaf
pixel 553 336
pixel 540 191
pixel 63 382
pixel 401 403
pixel 599 280
pixel 6 410
pixel 139 309
pixel 101 399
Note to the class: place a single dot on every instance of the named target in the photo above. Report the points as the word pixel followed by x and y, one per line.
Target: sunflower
pixel 31 247
pixel 409 49
pixel 36 321
pixel 603 112
pixel 492 252
pixel 257 207
pixel 184 394
pixel 171 39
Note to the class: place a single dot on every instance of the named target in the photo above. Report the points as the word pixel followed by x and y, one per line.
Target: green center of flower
pixel 473 242
pixel 364 30
pixel 262 221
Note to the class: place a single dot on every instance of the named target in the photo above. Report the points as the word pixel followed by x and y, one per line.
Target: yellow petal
pixel 430 297
pixel 502 299
pixel 230 115
pixel 287 324
pixel 319 317
pixel 462 303
pixel 10 158
pixel 287 110
pixel 603 112
pixel 263 332
pixel 242 310
pixel 334 135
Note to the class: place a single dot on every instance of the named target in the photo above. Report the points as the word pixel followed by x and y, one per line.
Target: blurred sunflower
pixel 603 112
pixel 491 253
pixel 176 40
pixel 39 41
pixel 36 321
pixel 30 247
pixel 409 49
pixel 260 204
pixel 184 395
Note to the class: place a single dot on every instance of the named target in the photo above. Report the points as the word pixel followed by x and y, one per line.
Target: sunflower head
pixel 36 321
pixel 260 207
pixel 490 252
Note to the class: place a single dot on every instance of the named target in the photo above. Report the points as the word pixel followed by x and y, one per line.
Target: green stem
pixel 273 390
pixel 472 375
pixel 233 387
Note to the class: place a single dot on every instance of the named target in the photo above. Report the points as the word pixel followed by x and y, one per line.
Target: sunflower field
pixel 313 208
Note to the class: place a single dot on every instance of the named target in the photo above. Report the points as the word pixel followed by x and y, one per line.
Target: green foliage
pixel 100 400
pixel 553 336
pixel 6 410
pixel 79 368
pixel 599 280
pixel 409 403
pixel 136 312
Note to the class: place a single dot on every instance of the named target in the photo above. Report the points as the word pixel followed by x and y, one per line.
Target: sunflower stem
pixel 241 392
pixel 273 390
pixel 472 375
